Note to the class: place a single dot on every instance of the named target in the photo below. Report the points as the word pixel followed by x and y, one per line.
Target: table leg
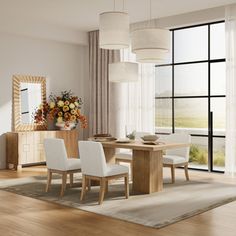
pixel 110 155
pixel 147 171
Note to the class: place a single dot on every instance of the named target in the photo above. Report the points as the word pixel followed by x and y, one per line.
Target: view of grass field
pixel 198 149
pixel 199 155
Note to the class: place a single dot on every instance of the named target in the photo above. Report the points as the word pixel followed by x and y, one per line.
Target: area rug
pixel 176 202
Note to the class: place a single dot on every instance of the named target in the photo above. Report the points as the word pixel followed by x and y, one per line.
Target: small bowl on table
pixel 150 138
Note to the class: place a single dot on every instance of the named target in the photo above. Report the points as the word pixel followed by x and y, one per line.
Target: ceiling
pixel 82 15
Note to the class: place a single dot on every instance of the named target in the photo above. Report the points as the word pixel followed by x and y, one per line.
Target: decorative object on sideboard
pixel 64 110
pixel 28 93
pixel 114 29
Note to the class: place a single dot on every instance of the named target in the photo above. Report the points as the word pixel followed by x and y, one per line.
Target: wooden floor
pixel 21 215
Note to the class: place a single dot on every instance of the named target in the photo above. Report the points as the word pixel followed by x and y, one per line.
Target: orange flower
pixel 67 103
pixel 73 112
pixel 73 118
pixel 78 112
pixel 67 115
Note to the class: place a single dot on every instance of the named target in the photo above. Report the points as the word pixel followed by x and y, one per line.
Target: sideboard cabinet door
pixel 26 148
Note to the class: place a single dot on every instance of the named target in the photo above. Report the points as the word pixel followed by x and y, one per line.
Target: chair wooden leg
pixel 49 180
pixel 63 186
pixel 173 173
pixel 127 186
pixel 83 191
pixel 186 172
pixel 106 187
pixel 102 190
pixel 71 179
pixel 88 184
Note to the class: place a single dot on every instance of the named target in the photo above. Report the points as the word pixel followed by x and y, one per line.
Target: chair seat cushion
pixel 172 159
pixel 73 164
pixel 116 170
pixel 127 156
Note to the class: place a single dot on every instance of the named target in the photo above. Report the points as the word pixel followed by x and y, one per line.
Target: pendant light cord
pixel 123 6
pixel 150 12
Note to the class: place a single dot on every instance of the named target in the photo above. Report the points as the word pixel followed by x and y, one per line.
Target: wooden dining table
pixel 147 163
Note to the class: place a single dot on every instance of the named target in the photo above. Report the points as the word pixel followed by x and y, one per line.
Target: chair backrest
pixel 138 135
pixel 179 138
pixel 55 151
pixel 92 157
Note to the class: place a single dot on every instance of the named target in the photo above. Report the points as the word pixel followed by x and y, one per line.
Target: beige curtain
pixel 99 60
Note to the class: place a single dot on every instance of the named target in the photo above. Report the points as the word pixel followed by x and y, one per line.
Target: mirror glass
pixel 31 98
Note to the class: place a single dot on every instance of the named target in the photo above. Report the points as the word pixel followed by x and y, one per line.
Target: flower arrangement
pixel 63 109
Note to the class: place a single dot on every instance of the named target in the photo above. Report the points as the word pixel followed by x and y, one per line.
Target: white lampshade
pixel 150 44
pixel 123 72
pixel 114 30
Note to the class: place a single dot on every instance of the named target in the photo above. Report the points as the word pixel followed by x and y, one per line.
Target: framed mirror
pixel 29 92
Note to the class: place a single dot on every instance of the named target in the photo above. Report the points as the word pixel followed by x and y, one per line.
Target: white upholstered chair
pixel 177 157
pixel 57 162
pixel 94 167
pixel 127 156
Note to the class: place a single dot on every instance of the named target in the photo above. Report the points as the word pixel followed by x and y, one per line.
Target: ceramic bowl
pixel 149 138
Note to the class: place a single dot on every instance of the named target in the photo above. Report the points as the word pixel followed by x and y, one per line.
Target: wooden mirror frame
pixel 16 80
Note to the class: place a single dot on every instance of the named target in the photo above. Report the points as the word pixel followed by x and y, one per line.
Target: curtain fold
pixel 230 152
pixel 99 60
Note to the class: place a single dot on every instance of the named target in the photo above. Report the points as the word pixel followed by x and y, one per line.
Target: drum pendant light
pixel 151 45
pixel 114 29
pixel 123 72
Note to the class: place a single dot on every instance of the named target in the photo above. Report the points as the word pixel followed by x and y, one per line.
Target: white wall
pixel 64 65
pixel 186 19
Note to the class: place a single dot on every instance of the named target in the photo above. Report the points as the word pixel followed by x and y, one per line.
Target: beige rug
pixel 176 202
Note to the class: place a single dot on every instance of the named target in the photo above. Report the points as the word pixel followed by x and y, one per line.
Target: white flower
pixel 60 119
pixel 60 103
pixel 76 104
pixel 72 106
pixel 52 105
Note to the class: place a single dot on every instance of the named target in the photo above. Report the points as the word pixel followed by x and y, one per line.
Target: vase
pixel 64 126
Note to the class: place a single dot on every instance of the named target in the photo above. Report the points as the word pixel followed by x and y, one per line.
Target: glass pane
pixel 163 115
pixel 218 108
pixel 191 79
pixel 218 79
pixel 199 153
pixel 191 114
pixel 191 44
pixel 217 41
pixel 219 154
pixel 163 85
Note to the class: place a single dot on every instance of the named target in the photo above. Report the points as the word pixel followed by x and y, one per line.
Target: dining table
pixel 147 162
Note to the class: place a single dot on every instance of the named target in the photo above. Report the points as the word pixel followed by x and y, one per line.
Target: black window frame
pixel 209 61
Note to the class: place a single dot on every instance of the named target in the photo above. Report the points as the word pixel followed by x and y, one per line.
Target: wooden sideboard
pixel 26 148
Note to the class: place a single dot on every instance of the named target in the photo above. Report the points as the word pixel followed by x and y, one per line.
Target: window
pixel 190 92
